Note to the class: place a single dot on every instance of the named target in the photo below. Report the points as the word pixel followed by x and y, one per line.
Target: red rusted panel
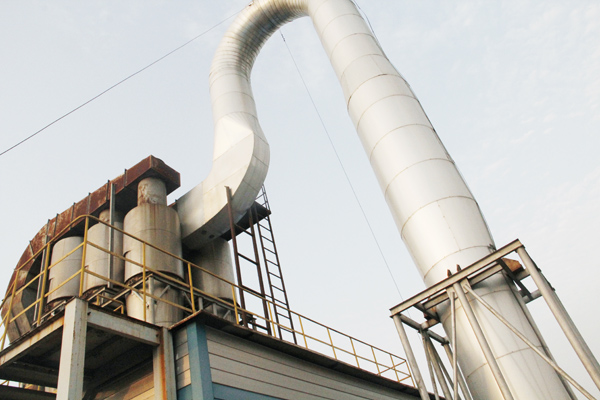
pixel 119 183
pixel 63 220
pixel 80 208
pixel 98 198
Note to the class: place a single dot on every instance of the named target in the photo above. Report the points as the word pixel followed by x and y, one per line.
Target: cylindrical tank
pixel 98 261
pixel 61 270
pixel 155 223
pixel 216 258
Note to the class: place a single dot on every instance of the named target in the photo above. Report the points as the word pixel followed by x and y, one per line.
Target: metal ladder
pixel 281 305
pixel 256 225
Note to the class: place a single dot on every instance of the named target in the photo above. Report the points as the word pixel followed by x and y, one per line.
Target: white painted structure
pixel 434 210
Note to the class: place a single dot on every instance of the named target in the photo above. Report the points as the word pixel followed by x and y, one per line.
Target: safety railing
pixel 309 333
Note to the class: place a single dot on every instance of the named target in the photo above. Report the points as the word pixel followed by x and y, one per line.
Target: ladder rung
pixel 266 238
pixel 249 289
pixel 270 251
pixel 272 262
pixel 248 259
pixel 264 227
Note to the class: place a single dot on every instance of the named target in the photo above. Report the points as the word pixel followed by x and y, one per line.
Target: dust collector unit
pixel 153 222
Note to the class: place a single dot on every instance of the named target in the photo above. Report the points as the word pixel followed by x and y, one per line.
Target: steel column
pixel 163 361
pixel 453 338
pixel 562 317
pixel 483 343
pixel 111 235
pixel 202 385
pixel 435 362
pixel 538 334
pixel 531 345
pixel 461 379
pixel 412 361
pixel 72 351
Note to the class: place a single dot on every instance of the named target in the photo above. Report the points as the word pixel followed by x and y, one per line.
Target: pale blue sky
pixel 512 87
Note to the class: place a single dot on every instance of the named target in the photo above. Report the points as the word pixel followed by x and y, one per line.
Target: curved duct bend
pixel 436 214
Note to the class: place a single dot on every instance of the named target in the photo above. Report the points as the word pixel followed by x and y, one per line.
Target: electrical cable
pixel 342 165
pixel 119 83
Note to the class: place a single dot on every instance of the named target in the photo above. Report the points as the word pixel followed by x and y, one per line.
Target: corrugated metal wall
pixel 137 385
pixel 251 367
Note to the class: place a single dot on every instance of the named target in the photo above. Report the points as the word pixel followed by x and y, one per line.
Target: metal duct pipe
pixel 436 214
pixel 216 258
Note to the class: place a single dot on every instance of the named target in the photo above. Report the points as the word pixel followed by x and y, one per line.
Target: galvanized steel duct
pixel 436 214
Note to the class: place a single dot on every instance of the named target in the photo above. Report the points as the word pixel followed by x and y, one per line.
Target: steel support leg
pixel 562 317
pixel 437 367
pixel 72 351
pixel 412 361
pixel 202 384
pixel 483 343
pixel 538 334
pixel 163 360
pixel 461 379
pixel 544 357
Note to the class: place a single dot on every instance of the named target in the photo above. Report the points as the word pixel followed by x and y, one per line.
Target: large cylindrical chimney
pixel 436 214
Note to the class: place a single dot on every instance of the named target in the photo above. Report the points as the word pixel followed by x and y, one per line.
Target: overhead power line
pixel 118 83
pixel 362 210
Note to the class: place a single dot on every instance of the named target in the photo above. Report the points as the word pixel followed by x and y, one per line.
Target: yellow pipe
pixel 144 277
pixel 191 288
pixel 237 317
pixel 44 279
pixel 7 322
pixel 354 351
pixel 85 235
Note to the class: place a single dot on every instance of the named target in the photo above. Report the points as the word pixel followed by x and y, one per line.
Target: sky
pixel 512 88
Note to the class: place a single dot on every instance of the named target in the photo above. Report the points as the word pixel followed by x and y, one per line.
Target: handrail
pixel 344 348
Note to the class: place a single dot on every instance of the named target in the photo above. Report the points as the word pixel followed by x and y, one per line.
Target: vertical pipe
pixel 412 361
pixel 483 343
pixel 562 317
